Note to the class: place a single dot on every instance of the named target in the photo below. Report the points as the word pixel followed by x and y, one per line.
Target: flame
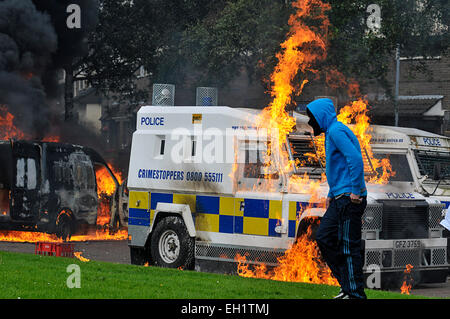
pixel 300 263
pixel 7 128
pixel 356 112
pixel 406 287
pixel 77 254
pixel 105 183
pixel 51 138
pixel 334 78
pixel 303 48
pixel 105 189
pixel 28 75
pixel 33 236
pixel 9 131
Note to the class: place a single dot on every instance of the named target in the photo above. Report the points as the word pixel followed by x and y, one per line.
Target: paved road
pixel 110 251
pixel 118 252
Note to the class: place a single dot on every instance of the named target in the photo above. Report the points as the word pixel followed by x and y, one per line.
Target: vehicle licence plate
pixel 407 244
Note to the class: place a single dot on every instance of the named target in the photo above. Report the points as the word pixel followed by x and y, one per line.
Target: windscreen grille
pixel 426 161
pixel 304 154
pixel 405 219
pixel 302 147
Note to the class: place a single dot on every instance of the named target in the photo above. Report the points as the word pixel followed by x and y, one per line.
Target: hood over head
pixel 323 112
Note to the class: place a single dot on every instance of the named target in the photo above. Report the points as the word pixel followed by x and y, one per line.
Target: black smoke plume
pixel 35 44
pixel 27 41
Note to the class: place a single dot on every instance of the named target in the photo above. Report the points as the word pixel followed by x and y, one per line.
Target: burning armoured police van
pixel 401 224
pixel 203 188
pixel 47 186
pixel 414 202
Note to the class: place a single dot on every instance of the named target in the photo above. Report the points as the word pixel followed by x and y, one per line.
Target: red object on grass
pixel 54 249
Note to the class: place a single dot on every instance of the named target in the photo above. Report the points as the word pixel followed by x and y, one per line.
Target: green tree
pixel 131 34
pixel 214 41
pixel 418 28
pixel 242 35
pixel 247 33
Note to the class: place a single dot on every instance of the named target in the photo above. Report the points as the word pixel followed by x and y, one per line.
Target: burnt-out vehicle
pixel 48 187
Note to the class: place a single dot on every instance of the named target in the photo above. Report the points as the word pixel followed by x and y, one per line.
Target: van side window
pixel 90 177
pixel 79 176
pixel 26 176
pixel 257 160
pixel 161 149
pixel 62 174
pixel 160 146
pixel 84 176
pixel 31 174
pixel 20 176
pixel 193 146
pixel 57 172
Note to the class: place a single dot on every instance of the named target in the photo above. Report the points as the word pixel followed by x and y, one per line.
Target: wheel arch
pixel 172 220
pixel 307 217
pixel 64 211
pixel 169 209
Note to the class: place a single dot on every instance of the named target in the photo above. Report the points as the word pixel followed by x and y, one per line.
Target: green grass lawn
pixel 29 276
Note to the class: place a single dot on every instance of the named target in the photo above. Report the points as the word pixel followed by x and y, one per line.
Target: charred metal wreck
pixel 49 187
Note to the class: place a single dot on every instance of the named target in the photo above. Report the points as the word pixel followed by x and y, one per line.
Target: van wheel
pixel 64 225
pixel 171 244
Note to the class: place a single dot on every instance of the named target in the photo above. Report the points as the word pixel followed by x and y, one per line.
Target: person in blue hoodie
pixel 339 232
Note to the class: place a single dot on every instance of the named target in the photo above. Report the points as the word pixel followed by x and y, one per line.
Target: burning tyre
pixel 308 227
pixel 64 225
pixel 171 245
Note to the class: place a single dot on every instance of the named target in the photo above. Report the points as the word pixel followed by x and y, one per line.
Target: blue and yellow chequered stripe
pixel 219 214
pixel 138 213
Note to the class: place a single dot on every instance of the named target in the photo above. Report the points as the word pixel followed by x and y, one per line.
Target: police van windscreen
pixel 426 160
pixel 400 166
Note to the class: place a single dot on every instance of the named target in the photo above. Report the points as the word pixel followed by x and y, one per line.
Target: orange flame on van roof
pixel 304 47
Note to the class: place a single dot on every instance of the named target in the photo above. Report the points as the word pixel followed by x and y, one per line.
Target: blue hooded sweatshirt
pixel 344 163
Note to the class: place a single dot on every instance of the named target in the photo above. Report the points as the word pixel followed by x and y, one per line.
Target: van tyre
pixel 171 244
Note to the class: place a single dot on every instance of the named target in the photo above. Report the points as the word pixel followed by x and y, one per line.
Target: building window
pixel 142 72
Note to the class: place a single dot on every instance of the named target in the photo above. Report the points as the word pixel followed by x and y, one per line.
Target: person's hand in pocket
pixel 356 199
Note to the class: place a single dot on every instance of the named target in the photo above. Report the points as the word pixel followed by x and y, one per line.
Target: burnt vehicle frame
pixel 49 186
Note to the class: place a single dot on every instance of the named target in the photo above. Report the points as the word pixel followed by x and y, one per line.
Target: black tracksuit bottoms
pixel 339 241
